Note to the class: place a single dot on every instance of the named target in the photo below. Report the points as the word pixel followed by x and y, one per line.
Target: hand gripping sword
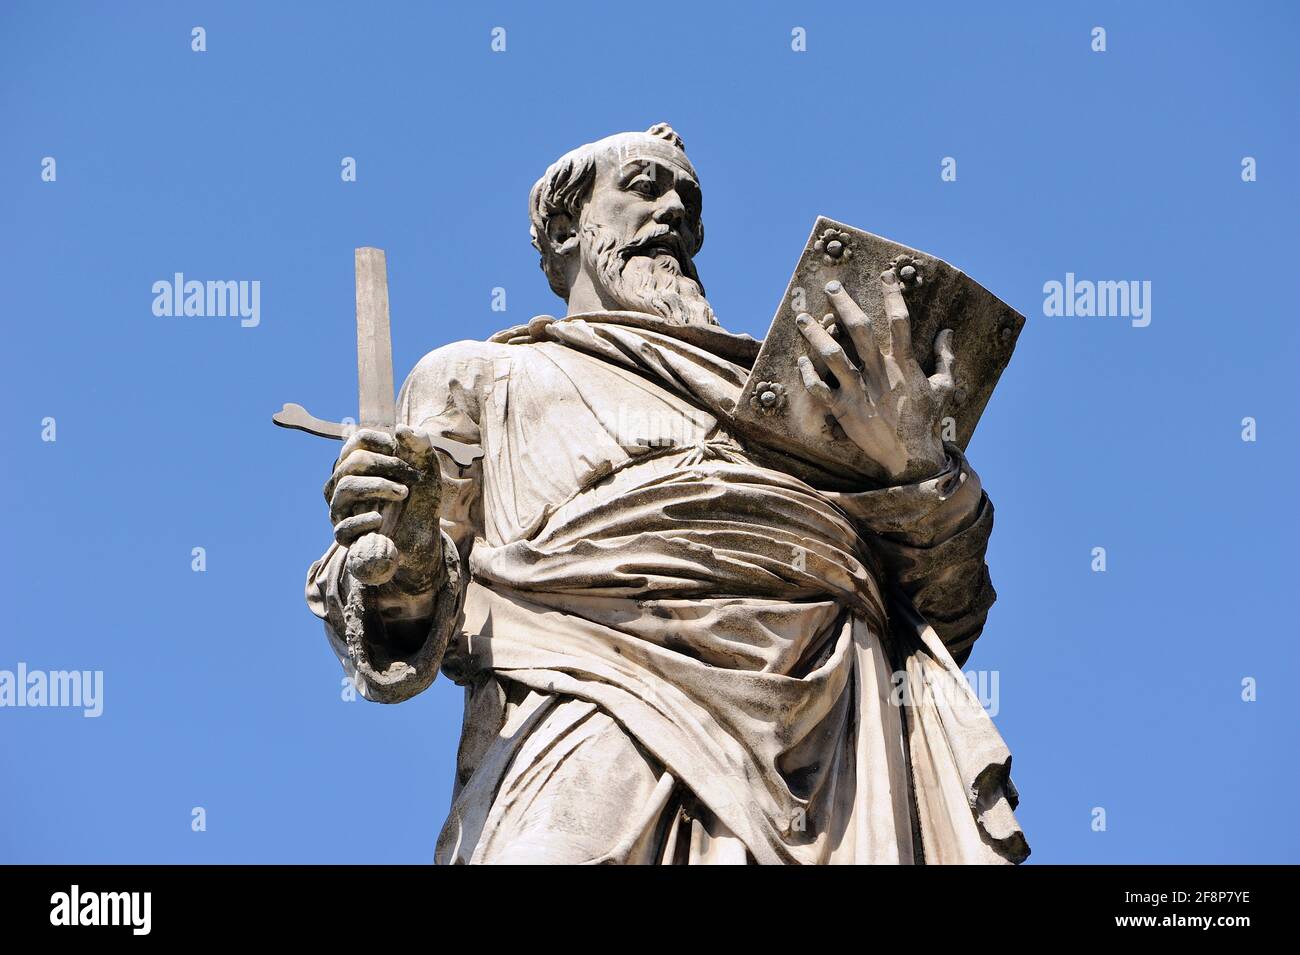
pixel 372 559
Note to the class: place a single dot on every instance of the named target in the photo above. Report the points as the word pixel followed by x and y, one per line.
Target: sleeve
pixel 394 651
pixel 930 538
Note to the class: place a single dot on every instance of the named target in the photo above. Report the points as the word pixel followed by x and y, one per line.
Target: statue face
pixel 650 206
pixel 637 234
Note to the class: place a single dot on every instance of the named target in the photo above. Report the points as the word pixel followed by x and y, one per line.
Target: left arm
pixel 930 537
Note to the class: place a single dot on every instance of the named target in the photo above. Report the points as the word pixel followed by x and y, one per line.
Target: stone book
pixel 774 407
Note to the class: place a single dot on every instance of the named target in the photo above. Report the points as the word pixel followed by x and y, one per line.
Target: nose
pixel 670 209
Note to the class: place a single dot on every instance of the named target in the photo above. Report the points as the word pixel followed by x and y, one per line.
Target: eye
pixel 642 186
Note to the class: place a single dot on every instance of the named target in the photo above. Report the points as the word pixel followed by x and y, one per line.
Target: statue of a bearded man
pixel 673 649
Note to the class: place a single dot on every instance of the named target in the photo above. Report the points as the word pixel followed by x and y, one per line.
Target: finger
pixel 414 446
pixel 818 365
pixel 942 380
pixel 900 325
pixel 363 439
pixel 358 525
pixel 358 489
pixel 369 439
pixel 860 332
pixel 847 309
pixel 828 350
pixel 820 391
pixel 365 462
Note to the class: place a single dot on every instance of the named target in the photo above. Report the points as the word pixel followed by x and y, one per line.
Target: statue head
pixel 617 223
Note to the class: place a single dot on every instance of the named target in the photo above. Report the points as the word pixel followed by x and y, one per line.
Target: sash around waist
pixel 712 529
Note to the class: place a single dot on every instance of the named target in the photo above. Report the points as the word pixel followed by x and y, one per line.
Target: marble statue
pixel 679 642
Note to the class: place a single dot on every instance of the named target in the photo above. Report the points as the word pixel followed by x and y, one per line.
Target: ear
pixel 561 234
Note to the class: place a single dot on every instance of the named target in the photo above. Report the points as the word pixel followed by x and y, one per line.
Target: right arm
pixel 391 643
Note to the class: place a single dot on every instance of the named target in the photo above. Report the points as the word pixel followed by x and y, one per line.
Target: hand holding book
pixel 885 404
pixel 904 360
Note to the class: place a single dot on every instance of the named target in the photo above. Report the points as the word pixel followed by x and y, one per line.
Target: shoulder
pixel 464 361
pixel 462 354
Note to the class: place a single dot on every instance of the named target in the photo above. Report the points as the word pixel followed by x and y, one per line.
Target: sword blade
pixel 374 342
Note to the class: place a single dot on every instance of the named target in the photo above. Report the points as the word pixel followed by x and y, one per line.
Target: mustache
pixel 663 240
pixel 634 275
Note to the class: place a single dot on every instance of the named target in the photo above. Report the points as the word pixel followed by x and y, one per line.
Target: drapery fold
pixel 777 654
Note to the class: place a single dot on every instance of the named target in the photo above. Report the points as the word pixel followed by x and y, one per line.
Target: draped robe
pixel 674 650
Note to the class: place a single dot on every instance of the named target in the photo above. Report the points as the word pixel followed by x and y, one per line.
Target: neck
pixel 586 295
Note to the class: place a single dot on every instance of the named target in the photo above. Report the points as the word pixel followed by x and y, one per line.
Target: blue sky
pixel 1120 690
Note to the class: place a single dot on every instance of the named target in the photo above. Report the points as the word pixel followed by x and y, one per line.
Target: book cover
pixel 774 407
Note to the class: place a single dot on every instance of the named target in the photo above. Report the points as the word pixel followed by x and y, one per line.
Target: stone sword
pixel 373 558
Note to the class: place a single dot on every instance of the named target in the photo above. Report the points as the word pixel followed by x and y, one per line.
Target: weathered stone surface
pixel 938 296
pixel 677 644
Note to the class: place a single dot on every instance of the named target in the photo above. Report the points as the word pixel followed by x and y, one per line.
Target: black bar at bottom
pixel 364 903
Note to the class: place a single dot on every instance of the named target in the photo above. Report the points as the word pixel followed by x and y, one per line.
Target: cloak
pixel 675 649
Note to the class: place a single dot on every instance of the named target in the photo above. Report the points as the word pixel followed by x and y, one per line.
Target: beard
pixel 652 282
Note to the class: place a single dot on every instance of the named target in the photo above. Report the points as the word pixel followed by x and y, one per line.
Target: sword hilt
pixel 373 558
